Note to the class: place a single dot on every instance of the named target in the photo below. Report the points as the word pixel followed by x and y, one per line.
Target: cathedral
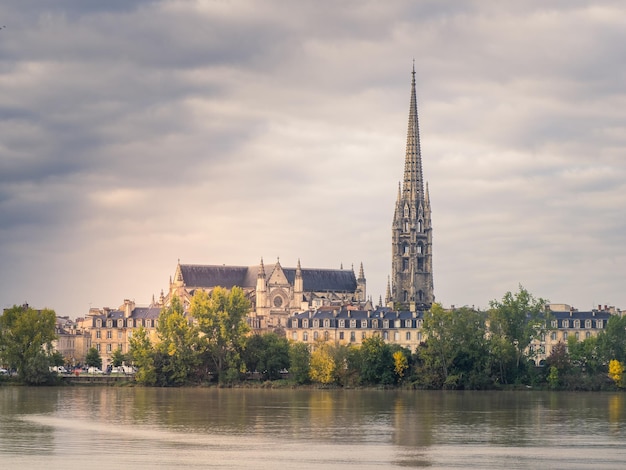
pixel 411 232
pixel 276 293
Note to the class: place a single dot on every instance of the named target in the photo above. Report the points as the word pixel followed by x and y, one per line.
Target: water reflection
pixel 312 428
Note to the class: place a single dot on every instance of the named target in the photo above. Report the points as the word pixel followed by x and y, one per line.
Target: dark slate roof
pixel 224 276
pixel 576 315
pixel 145 313
pixel 314 280
pixel 324 280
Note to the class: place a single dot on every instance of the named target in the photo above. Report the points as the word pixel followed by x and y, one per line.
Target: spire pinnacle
pixel 413 184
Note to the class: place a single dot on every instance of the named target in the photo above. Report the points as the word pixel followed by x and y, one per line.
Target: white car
pixel 94 370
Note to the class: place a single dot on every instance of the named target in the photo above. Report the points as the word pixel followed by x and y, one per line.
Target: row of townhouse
pixel 350 326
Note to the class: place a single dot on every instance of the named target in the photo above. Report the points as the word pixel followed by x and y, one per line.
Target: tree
pixel 455 354
pixel 401 363
pixel 299 363
pixel 142 355
pixel 616 372
pixel 179 344
pixel 93 358
pixel 221 318
pixel 612 341
pixel 117 358
pixel 322 366
pixel 516 321
pixel 377 366
pixel 26 337
pixel 267 353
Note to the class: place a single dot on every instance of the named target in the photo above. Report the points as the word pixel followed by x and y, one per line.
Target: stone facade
pixel 275 293
pixel 411 258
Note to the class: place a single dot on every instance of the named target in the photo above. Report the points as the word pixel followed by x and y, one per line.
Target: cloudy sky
pixel 136 133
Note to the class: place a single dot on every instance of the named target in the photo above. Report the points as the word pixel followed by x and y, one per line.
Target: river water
pixel 189 428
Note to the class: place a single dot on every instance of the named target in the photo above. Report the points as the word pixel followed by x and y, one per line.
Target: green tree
pixel 267 353
pixel 377 366
pixel 93 358
pixel 26 337
pixel 456 353
pixel 142 355
pixel 514 322
pixel 299 363
pixel 221 317
pixel 57 359
pixel 179 344
pixel 117 358
pixel 612 341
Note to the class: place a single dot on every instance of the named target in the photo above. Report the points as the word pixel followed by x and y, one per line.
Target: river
pixel 190 428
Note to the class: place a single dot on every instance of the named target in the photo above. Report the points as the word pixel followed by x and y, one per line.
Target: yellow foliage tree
pixel 400 362
pixel 322 365
pixel 616 371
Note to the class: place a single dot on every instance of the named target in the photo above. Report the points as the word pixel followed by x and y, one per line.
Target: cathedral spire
pixel 413 188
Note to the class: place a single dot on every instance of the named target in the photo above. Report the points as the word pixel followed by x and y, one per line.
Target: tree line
pixel 463 349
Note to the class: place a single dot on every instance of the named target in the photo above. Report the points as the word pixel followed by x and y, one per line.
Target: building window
pixel 109 323
pixel 555 323
pixel 352 337
pixel 98 347
pixel 587 334
pixel 565 323
pixel 398 323
pixel 420 248
pixel 587 323
pixel 326 336
pixel 363 323
pixel 326 323
pixel 396 336
pixel 352 323
pixel 119 334
pixel 406 249
pixel 385 335
pixel 553 336
pixel 98 334
pixel 305 336
pixel 363 335
pixel 419 337
pixel 408 336
pixel 120 323
pixel 294 336
pixel 109 335
pixel 315 335
pixel 98 323
pixel 374 323
pixel 341 335
pixel 599 324
pixel 405 296
pixel 305 323
pixel 316 323
pixel 342 323
pixel 418 323
pixel 576 323
pixel 565 335
pixel 405 266
pixel 419 225
pixel 577 335
pixel 385 323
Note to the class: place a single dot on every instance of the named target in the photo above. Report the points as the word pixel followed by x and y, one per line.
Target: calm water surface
pixel 108 427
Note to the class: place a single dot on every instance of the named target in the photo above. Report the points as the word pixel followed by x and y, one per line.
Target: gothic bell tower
pixel 412 259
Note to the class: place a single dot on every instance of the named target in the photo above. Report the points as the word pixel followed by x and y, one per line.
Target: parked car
pixel 3 371
pixel 94 370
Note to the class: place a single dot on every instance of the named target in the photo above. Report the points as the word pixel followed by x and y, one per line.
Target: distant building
pixel 275 293
pixel 72 342
pixel 412 244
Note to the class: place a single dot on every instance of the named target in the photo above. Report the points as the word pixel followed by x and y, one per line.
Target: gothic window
pixel 419 225
pixel 420 264
pixel 278 301
pixel 420 248
pixel 421 295
pixel 405 296
pixel 406 249
pixel 406 210
pixel 405 266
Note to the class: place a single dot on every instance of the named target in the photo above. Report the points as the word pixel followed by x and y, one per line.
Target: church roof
pixel 314 280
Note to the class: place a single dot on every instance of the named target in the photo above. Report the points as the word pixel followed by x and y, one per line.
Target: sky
pixel 137 133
